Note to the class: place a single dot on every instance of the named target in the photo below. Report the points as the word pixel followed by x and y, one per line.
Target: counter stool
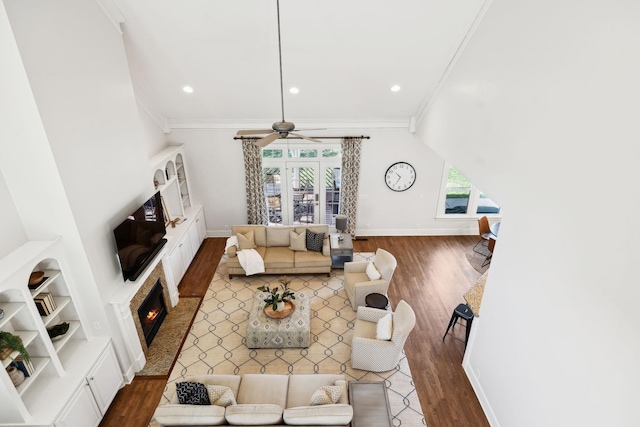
pixel 462 311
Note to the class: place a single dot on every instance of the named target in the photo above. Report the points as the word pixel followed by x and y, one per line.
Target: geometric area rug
pixel 216 342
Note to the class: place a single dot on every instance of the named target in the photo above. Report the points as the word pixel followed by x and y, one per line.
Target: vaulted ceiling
pixel 343 56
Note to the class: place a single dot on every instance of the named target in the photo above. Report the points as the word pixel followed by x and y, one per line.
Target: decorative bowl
pixel 36 277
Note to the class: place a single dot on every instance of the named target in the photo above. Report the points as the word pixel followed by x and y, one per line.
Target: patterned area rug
pixel 216 342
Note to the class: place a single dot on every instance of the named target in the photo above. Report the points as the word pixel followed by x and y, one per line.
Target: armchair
pixel 357 284
pixel 371 354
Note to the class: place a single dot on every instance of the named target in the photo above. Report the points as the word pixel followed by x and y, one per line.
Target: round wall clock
pixel 400 176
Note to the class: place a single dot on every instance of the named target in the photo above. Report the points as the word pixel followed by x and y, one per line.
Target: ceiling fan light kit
pixel 280 129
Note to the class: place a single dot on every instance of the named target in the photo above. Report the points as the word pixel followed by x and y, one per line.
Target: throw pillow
pixel 326 395
pixel 372 272
pixel 314 241
pixel 192 393
pixel 384 328
pixel 245 241
pixel 298 241
pixel 220 395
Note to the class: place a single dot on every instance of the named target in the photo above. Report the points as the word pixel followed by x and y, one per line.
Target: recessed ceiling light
pixel 395 88
pixel 188 89
pixel 294 90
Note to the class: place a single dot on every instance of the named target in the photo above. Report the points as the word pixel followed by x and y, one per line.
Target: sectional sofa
pixel 264 399
pixel 284 249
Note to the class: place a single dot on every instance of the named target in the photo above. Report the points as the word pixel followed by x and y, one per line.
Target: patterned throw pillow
pixel 245 241
pixel 220 395
pixel 192 393
pixel 326 395
pixel 297 241
pixel 314 241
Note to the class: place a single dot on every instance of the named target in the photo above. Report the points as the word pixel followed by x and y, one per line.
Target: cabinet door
pixel 186 250
pixel 202 227
pixel 105 379
pixel 81 411
pixel 194 238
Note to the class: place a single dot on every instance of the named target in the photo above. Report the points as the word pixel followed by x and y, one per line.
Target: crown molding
pixel 259 124
pixel 113 13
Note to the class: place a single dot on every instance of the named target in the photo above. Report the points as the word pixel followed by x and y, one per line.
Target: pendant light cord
pixel 280 56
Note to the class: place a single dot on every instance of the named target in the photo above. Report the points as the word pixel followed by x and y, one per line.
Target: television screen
pixel 140 237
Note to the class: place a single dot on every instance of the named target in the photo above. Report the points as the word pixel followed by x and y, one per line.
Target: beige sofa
pixel 263 399
pixel 274 245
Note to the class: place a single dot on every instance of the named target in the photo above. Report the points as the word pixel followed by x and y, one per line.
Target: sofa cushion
pixel 278 257
pixel 220 395
pixel 246 240
pixel 311 259
pixel 264 388
pixel 338 414
pixel 192 393
pixel 302 386
pixel 372 272
pixel 326 395
pixel 259 232
pixel 384 327
pixel 319 228
pixel 314 241
pixel 278 236
pixel 231 381
pixel 253 414
pixel 185 415
pixel 297 242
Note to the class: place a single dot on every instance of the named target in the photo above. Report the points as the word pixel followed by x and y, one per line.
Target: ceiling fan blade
pixel 267 139
pixel 253 131
pixel 304 137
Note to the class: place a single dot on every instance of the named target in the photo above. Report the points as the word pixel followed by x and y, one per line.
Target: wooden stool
pixel 464 312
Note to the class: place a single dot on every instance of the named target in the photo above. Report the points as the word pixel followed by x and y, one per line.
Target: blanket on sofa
pixel 251 261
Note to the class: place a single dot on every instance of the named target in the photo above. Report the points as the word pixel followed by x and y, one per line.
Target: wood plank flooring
pixel 432 276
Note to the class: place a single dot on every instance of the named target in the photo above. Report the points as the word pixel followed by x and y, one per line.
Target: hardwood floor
pixel 432 276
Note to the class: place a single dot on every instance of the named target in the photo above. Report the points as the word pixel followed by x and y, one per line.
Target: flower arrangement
pixel 275 296
pixel 13 343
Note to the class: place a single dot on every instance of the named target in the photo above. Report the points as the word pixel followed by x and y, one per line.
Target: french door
pixel 302 192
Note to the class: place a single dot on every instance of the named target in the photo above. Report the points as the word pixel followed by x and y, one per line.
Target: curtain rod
pixel 316 137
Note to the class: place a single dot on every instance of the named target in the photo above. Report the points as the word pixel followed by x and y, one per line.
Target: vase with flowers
pixel 277 297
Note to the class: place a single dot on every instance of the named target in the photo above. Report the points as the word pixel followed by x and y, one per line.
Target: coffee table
pixel 289 332
pixel 370 404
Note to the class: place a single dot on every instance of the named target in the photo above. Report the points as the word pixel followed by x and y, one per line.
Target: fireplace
pixel 152 312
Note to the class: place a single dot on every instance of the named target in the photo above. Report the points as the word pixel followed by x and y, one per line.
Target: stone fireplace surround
pixel 125 305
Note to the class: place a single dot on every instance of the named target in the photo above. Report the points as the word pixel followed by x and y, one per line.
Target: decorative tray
pixel 288 309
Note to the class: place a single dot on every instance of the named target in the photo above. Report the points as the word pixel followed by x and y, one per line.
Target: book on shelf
pixel 45 303
pixel 27 368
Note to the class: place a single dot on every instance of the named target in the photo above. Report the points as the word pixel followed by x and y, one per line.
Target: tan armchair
pixel 371 354
pixel 357 284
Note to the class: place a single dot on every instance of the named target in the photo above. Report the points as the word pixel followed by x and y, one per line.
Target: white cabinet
pixel 92 399
pixel 183 243
pixel 105 379
pixel 82 410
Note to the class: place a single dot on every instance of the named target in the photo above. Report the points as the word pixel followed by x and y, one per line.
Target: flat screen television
pixel 140 237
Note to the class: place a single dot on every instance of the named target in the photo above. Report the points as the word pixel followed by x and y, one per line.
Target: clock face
pixel 400 176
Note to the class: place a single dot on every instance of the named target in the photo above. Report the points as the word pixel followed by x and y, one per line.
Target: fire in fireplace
pixel 152 312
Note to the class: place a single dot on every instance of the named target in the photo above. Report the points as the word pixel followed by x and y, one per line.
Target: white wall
pixel 216 180
pixel 154 138
pixel 90 136
pixel 541 109
pixel 12 234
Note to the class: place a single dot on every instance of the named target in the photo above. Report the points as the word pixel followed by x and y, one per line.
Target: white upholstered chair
pixel 372 354
pixel 357 284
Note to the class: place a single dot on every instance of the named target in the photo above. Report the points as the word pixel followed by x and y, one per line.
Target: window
pixel 462 198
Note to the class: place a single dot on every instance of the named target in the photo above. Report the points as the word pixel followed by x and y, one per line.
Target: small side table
pixel 376 301
pixel 341 250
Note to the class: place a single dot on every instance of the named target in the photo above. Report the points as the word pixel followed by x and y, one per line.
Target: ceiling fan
pixel 283 128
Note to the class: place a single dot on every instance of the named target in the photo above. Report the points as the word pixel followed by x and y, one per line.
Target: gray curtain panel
pixel 351 148
pixel 254 183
